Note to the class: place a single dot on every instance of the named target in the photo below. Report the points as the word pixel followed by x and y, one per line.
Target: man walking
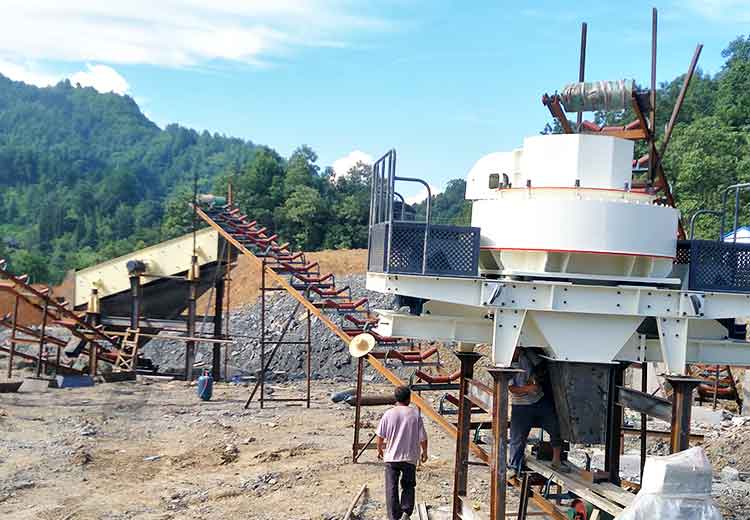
pixel 400 438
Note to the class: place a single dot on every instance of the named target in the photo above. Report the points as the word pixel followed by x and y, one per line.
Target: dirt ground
pixel 155 451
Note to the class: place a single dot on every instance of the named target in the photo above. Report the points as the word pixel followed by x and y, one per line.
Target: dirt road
pixel 154 451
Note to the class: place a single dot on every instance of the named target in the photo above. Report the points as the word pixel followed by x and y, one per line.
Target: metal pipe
pixel 678 104
pixel 696 215
pixel 391 162
pixel 403 203
pixel 582 67
pixel 427 217
pixel 737 187
pixel 736 214
pixel 652 115
pixel 358 409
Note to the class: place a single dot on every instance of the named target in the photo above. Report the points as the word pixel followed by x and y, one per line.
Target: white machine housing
pixel 566 207
pixel 572 261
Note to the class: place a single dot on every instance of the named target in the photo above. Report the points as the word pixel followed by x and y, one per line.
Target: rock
pixel 729 474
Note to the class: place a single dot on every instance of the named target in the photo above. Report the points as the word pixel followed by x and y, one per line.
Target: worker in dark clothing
pixel 400 439
pixel 532 408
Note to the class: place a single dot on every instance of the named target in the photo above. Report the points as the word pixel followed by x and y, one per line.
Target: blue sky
pixel 442 82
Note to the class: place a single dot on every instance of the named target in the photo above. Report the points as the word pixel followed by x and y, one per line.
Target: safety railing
pixel 413 247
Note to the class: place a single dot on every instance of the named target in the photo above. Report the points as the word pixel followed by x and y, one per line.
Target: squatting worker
pixel 532 408
pixel 400 439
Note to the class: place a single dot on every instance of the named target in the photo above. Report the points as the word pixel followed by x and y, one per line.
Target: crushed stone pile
pixel 727 444
pixel 330 356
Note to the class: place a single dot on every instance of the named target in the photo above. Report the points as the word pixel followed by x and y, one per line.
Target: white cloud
pixel 342 165
pixel 173 32
pixel 28 72
pixel 422 195
pixel 103 78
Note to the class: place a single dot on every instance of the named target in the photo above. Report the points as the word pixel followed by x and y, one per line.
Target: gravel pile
pixel 726 444
pixel 330 357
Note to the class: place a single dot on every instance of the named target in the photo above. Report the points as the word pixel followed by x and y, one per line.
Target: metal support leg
pixel 42 337
pixel 499 461
pixel 262 375
pixel 13 336
pixel 682 403
pixel 93 319
pixel 192 300
pixel 614 426
pixel 136 297
pixel 644 417
pixel 309 358
pixel 218 317
pixel 358 408
pixel 467 359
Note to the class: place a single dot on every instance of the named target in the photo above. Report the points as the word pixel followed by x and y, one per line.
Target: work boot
pixel 560 467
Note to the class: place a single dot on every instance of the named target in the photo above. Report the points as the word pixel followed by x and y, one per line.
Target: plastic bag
pixel 675 487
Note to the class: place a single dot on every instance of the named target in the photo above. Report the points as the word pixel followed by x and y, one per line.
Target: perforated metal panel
pixel 451 250
pixel 719 266
pixel 376 251
pixel 683 252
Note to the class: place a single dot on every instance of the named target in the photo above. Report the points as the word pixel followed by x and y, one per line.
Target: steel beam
pixel 499 460
pixel 614 427
pixel 644 403
pixel 461 474
pixel 682 404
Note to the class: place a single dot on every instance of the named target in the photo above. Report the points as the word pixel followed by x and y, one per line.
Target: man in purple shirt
pixel 400 438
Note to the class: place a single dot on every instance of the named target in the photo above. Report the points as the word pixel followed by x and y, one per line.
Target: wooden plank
pixel 583 489
pixel 362 491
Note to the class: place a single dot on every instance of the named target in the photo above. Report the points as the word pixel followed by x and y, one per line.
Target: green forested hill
pixel 85 176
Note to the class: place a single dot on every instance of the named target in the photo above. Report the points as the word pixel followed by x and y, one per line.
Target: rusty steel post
pixel 93 319
pixel 461 474
pixel 614 426
pixel 716 388
pixel 228 276
pixel 309 358
pixel 262 375
pixel 42 335
pixel 13 336
pixel 582 68
pixel 218 317
pixel 499 461
pixel 358 408
pixel 135 301
pixel 682 404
